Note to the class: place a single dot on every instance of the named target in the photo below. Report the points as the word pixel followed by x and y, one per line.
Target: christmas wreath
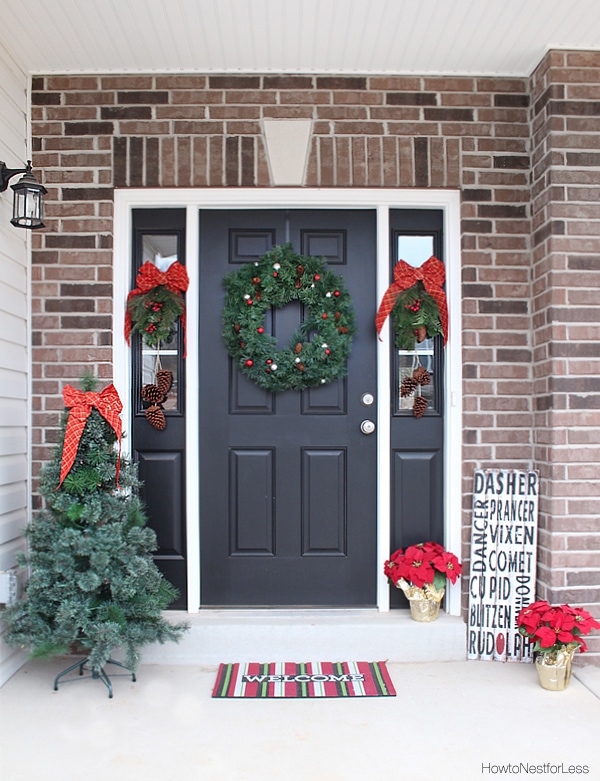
pixel 156 303
pixel 153 308
pixel 417 303
pixel 319 349
pixel 415 317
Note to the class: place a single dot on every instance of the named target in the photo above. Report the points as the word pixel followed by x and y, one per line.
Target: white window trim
pixel 381 200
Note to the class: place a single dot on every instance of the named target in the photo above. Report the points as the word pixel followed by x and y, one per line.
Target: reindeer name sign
pixel 503 562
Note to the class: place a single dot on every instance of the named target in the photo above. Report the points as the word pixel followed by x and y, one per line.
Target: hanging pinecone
pixel 153 394
pixel 156 417
pixel 408 386
pixel 164 380
pixel 422 376
pixel 419 407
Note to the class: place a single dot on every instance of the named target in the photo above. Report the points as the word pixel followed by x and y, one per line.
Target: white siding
pixel 14 340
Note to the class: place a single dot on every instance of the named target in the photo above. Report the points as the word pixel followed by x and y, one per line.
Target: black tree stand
pixel 95 674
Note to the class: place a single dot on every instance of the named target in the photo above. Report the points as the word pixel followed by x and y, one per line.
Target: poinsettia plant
pixel 424 566
pixel 555 628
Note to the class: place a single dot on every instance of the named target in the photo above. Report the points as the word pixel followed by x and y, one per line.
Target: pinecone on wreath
pixel 408 386
pixel 152 394
pixel 419 406
pixel 155 395
pixel 422 376
pixel 156 417
pixel 164 380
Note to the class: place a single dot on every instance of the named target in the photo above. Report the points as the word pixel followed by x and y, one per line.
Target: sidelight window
pixel 415 249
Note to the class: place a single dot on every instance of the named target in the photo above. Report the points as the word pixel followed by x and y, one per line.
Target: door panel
pixel 251 486
pixel 287 481
pixel 417 471
pixel 160 455
pixel 323 512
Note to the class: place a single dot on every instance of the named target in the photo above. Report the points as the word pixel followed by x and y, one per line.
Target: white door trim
pixel 381 200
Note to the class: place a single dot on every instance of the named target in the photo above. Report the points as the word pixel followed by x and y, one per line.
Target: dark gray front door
pixel 287 481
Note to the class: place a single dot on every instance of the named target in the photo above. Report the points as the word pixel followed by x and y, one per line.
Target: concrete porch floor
pixel 450 720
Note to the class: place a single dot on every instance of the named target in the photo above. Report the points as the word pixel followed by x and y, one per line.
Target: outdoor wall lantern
pixel 28 200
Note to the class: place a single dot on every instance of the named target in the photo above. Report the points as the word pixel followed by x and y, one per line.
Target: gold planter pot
pixel 424 602
pixel 424 609
pixel 554 669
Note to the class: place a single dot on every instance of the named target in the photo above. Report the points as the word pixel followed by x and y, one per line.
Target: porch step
pixel 303 635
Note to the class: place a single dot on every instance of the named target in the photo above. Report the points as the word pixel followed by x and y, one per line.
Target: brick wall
pixel 93 133
pixel 566 323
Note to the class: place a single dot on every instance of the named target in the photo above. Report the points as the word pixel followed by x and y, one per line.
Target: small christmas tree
pixel 92 582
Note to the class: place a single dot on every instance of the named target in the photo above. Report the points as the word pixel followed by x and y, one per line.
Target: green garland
pixel 154 314
pixel 415 317
pixel 318 351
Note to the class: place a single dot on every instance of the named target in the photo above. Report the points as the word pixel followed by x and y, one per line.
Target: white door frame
pixel 380 200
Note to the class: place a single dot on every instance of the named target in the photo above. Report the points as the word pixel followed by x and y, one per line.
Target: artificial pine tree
pixel 92 582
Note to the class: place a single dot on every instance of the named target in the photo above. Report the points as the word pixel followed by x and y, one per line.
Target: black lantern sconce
pixel 28 200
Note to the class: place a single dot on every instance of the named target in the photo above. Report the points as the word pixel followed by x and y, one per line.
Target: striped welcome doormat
pixel 308 679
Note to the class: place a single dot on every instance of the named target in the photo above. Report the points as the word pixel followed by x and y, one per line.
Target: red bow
pixel 432 274
pixel 108 405
pixel 149 277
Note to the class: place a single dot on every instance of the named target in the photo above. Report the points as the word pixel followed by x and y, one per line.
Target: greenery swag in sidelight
pixel 318 351
pixel 93 585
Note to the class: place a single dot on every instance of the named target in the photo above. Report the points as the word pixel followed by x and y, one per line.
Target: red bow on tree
pixel 81 404
pixel 432 274
pixel 149 277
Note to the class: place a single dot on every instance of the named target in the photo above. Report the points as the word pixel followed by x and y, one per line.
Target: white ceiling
pixel 503 37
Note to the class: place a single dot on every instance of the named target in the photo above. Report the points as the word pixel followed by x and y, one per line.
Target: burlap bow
pixel 432 274
pixel 149 277
pixel 81 404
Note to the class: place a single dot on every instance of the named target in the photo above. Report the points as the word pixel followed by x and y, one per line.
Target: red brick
pixel 264 97
pixel 343 176
pixel 408 83
pixel 182 112
pixel 359 162
pixel 181 82
pixel 287 112
pixel 197 97
pixel 126 82
pixel 327 168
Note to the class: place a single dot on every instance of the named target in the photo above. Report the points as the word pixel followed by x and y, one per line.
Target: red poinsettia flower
pixel 448 564
pixel 584 622
pixel 553 627
pixel 421 564
pixel 416 567
pixel 530 617
pixel 432 547
pixel 390 570
pixel 549 637
pixel 390 567
pixel 397 555
pixel 558 619
pixel 582 645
